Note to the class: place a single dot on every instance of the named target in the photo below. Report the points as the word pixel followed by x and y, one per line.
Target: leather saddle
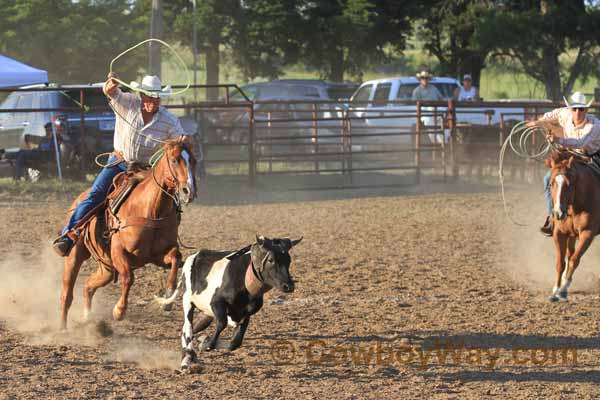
pixel 97 230
pixel 123 185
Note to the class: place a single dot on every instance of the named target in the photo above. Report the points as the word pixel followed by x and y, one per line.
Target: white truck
pixel 375 105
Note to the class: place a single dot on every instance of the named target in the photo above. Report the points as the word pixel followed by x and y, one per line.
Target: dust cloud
pixel 529 257
pixel 29 303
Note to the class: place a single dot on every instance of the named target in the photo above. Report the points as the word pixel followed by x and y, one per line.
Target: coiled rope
pixel 521 142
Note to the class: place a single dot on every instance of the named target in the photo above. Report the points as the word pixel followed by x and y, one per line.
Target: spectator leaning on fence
pixel 581 131
pixel 467 92
pixel 142 126
pixel 426 91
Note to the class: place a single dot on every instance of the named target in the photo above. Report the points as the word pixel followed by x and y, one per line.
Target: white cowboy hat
pixel 151 86
pixel 424 75
pixel 578 101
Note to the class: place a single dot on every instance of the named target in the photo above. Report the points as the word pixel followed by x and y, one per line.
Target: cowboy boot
pixel 63 244
pixel 548 228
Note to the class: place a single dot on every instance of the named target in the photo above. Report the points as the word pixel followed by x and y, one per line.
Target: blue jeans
pixel 97 193
pixel 547 193
pixel 33 156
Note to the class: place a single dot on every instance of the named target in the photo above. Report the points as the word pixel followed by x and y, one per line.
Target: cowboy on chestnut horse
pixel 138 224
pixel 581 132
pixel 142 126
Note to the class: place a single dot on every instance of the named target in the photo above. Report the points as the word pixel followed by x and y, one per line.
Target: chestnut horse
pixel 143 230
pixel 576 211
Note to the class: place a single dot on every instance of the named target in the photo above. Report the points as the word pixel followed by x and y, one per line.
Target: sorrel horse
pixel 576 212
pixel 143 230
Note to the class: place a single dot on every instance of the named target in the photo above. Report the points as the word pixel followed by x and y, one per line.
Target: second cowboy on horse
pixel 142 125
pixel 581 132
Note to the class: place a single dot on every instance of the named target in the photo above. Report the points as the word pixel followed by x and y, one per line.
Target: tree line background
pixel 554 42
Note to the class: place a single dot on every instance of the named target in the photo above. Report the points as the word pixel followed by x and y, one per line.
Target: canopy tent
pixel 14 74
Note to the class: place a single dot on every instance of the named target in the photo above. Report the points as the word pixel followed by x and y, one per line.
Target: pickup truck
pixel 374 100
pixel 18 128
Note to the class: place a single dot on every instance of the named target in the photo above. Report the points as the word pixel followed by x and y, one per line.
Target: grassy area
pixel 41 189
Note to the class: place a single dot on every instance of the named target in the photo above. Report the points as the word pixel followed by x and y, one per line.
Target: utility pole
pixel 156 32
pixel 195 46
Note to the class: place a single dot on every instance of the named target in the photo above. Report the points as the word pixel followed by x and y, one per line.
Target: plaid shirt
pixel 585 136
pixel 132 136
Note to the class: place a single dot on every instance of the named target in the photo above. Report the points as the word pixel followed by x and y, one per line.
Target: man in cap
pixel 141 128
pixel 426 91
pixel 467 92
pixel 581 132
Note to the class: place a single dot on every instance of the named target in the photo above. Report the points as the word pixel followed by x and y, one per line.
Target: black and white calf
pixel 229 287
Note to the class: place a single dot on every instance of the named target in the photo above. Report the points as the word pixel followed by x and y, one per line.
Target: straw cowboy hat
pixel 151 86
pixel 424 75
pixel 578 101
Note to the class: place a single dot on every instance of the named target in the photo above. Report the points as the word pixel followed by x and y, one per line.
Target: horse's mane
pixel 579 164
pixel 173 144
pixel 561 155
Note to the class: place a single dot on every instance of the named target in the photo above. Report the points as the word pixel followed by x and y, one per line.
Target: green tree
pixel 265 37
pixel 214 21
pixel 449 32
pixel 555 41
pixel 74 42
pixel 347 36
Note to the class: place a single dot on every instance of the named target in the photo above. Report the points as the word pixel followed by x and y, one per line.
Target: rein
pixel 155 223
pixel 171 181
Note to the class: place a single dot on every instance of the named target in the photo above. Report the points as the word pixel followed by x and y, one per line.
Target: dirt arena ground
pixel 400 294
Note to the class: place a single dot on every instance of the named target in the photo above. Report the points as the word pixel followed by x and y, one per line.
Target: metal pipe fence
pixel 342 143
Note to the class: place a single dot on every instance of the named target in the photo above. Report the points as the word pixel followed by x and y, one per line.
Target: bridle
pixel 170 181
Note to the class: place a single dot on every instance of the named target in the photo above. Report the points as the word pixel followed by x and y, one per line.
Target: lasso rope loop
pixel 179 59
pixel 138 130
pixel 523 150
